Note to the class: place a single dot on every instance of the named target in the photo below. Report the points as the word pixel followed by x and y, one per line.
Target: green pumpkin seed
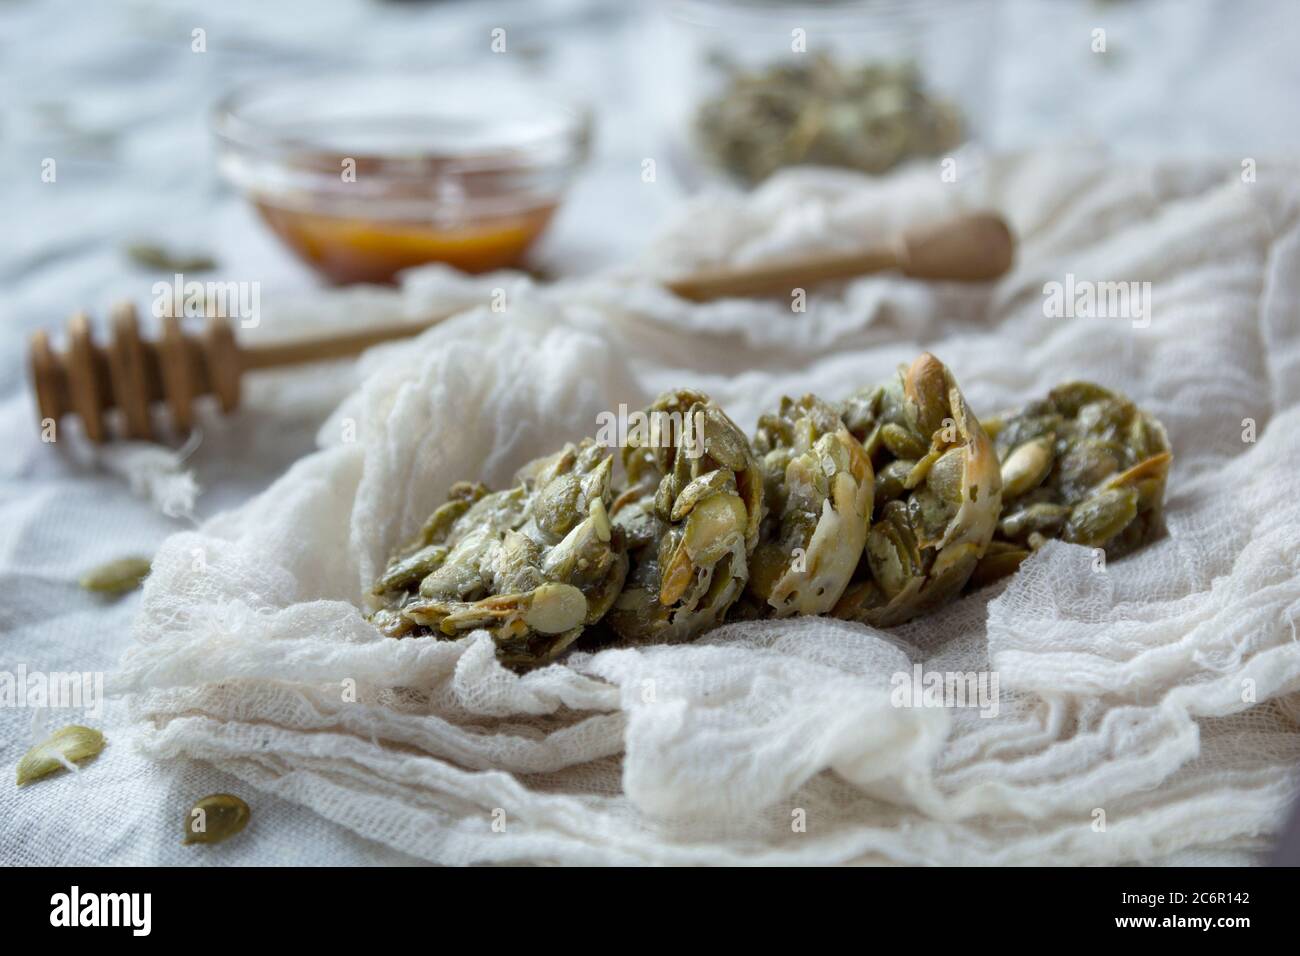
pixel 1041 518
pixel 556 608
pixel 1096 520
pixel 927 389
pixel 890 569
pixel 929 515
pixel 117 577
pixel 945 476
pixel 460 498
pixel 903 443
pixel 709 483
pixel 215 818
pixel 861 415
pixel 711 527
pixel 1001 559
pixel 722 441
pixel 891 480
pixel 153 256
pixel 892 551
pixel 70 744
pixel 1110 419
pixel 1027 466
pixel 406 572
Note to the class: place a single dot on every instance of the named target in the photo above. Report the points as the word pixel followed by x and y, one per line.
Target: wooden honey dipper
pixel 133 374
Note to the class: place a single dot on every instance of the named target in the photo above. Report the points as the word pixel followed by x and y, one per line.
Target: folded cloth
pixel 1140 710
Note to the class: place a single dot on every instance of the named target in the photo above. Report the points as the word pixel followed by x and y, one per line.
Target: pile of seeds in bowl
pixel 815 110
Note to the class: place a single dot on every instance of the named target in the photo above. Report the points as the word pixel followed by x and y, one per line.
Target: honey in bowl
pixel 347 250
pixel 364 176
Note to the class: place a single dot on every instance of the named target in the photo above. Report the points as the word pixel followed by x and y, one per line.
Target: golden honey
pixel 346 249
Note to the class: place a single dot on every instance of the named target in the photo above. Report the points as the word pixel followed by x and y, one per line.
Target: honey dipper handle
pixel 970 248
pixel 335 346
pixel 780 277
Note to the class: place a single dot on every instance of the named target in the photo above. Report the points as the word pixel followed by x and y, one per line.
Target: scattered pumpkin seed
pixel 215 818
pixel 67 745
pixel 153 256
pixel 118 576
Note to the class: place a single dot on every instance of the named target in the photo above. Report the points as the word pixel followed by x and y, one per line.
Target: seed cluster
pixel 878 509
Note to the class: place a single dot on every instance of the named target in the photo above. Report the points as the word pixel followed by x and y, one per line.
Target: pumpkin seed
pixel 710 483
pixel 556 608
pixel 902 441
pixel 68 745
pixel 891 480
pixel 1094 521
pixel 945 475
pixel 1042 518
pixel 153 256
pixel 926 385
pixel 460 498
pixel 118 576
pixel 404 572
pixel 1000 560
pixel 216 818
pixel 709 525
pixel 1027 466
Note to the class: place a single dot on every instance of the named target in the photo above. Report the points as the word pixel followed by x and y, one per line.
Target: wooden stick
pixel 974 248
pixel 334 346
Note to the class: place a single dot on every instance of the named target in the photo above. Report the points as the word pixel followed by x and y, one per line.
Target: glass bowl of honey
pixel 362 176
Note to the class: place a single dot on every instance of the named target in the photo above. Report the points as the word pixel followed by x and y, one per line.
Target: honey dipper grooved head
pixel 131 374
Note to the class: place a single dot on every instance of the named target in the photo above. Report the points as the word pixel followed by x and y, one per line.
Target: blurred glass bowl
pixel 363 175
pixel 753 86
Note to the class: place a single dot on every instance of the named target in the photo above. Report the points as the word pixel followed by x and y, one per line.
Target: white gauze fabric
pixel 1147 711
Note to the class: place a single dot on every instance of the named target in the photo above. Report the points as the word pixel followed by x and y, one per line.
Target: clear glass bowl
pixel 752 87
pixel 365 175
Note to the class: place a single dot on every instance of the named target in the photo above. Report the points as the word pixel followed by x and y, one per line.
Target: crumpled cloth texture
pixel 1147 711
